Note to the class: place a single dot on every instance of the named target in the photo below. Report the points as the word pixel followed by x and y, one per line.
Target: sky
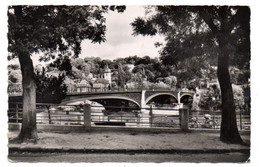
pixel 119 39
pixel 119 42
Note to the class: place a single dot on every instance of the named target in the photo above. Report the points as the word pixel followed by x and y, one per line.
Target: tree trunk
pixel 229 132
pixel 29 130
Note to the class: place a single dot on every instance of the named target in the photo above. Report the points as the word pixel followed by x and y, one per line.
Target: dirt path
pixel 129 140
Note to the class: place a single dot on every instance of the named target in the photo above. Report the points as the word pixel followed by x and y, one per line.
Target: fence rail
pixel 198 120
pixel 127 116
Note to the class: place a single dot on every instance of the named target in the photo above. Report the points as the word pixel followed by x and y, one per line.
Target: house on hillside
pixel 97 82
pixel 107 75
pixel 83 86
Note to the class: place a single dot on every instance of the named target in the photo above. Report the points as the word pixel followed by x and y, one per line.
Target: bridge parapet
pixel 16 89
pixel 81 89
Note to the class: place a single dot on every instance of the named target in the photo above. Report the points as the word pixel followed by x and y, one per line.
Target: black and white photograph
pixel 107 83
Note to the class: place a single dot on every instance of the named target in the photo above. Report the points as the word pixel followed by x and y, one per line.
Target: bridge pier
pixel 179 97
pixel 145 118
pixel 87 116
pixel 143 104
pixel 145 113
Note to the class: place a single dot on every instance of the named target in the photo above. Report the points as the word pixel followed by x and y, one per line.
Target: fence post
pixel 241 123
pixel 49 113
pixel 87 116
pixel 214 119
pixel 17 112
pixel 184 119
pixel 121 115
pixel 151 116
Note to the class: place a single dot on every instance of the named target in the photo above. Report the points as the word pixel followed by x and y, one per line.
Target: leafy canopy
pixel 50 89
pixel 55 29
pixel 196 31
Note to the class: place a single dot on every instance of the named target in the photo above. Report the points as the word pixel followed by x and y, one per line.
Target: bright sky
pixel 119 39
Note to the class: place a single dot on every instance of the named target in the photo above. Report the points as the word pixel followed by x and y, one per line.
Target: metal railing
pixel 122 116
pixel 72 88
pixel 48 114
pixel 16 89
pixel 205 119
pixel 131 117
pixel 74 115
pixel 15 112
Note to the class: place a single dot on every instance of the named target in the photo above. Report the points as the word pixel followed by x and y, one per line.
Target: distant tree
pixel 238 97
pixel 15 76
pixel 239 76
pixel 52 30
pixel 145 71
pixel 83 68
pixel 62 63
pixel 211 98
pixel 171 80
pixel 162 71
pixel 144 60
pixel 50 89
pixel 105 62
pixel 189 71
pixel 13 67
pixel 94 63
pixel 123 75
pixel 132 59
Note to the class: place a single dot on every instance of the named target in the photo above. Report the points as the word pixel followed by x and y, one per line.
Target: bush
pixel 211 98
pixel 50 89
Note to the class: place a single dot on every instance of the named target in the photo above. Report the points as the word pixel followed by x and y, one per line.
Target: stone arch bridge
pixel 138 98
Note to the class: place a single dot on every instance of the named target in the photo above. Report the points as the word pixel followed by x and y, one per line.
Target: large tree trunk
pixel 229 132
pixel 28 131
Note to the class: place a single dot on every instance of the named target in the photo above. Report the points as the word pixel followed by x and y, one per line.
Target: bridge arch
pixel 96 98
pixel 186 99
pixel 160 94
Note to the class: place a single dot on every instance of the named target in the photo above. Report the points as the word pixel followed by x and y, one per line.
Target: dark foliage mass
pixel 50 89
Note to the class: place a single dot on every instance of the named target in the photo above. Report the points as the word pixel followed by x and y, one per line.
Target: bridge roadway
pixel 138 97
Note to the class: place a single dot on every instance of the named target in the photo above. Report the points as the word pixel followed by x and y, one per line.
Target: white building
pixel 108 74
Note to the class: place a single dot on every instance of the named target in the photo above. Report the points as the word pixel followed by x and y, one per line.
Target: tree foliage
pixel 211 98
pixel 55 29
pixel 62 64
pixel 198 35
pixel 14 74
pixel 121 76
pixel 50 89
pixel 203 34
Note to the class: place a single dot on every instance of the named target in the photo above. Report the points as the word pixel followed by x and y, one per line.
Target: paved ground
pixel 129 140
pixel 170 145
pixel 129 158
